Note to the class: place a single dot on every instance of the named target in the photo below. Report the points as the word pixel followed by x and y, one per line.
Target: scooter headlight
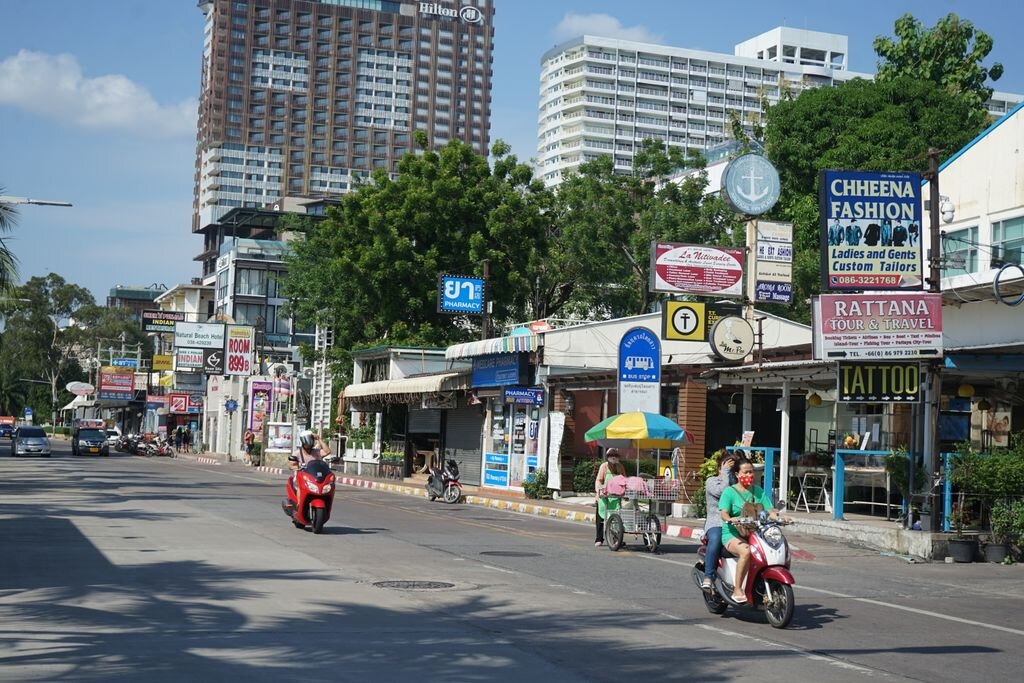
pixel 773 535
pixel 327 488
pixel 311 486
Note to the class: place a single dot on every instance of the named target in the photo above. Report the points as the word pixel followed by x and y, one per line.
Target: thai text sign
pixel 871 230
pixel 238 352
pixel 688 269
pixel 161 321
pixel 639 384
pixel 199 335
pixel 460 294
pixel 879 382
pixel 117 383
pixel 877 326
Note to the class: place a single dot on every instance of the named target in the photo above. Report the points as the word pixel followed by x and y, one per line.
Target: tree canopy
pixel 8 262
pixel 860 125
pixel 949 54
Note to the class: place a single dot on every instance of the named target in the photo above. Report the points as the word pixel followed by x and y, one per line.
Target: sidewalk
pixel 576 509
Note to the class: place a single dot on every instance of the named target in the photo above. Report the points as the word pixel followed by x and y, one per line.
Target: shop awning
pixel 392 389
pixel 515 344
pixel 79 402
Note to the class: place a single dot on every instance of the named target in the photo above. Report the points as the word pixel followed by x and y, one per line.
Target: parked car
pixel 113 435
pixel 7 430
pixel 89 442
pixel 30 441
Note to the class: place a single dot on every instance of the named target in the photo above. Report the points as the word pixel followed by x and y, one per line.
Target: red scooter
pixel 769 583
pixel 310 495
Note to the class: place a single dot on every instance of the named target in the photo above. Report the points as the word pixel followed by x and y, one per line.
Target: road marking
pixel 915 610
pixel 498 569
pixel 871 601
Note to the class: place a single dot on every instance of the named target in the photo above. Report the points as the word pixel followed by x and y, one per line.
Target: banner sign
pixel 195 403
pixel 189 359
pixel 871 230
pixel 124 363
pixel 773 269
pixel 460 294
pixel 177 403
pixel 692 320
pixel 496 469
pixel 199 335
pixel 879 382
pixel 524 396
pixel 639 373
pixel 689 269
pixel 238 353
pixel 774 292
pixel 213 361
pixel 774 252
pixel 161 321
pixel 163 362
pixel 500 369
pixel 117 383
pixel 259 404
pixel 877 326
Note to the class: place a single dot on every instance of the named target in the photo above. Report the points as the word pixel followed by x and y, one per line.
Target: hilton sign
pixel 467 13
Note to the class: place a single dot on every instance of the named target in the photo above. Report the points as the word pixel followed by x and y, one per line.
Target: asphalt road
pixel 169 571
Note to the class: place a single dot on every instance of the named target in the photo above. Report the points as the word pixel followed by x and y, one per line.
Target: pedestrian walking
pixel 187 440
pixel 177 439
pixel 248 439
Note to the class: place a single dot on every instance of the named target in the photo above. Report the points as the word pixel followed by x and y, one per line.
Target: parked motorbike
pixel 769 582
pixel 310 495
pixel 444 483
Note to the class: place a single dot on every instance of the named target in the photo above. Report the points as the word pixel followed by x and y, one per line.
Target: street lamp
pixel 6 199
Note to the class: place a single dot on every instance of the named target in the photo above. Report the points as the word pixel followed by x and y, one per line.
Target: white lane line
pixel 915 610
pixel 877 603
pixel 498 569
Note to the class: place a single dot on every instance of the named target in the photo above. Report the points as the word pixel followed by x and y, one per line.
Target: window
pixel 247 314
pixel 1007 241
pixel 959 247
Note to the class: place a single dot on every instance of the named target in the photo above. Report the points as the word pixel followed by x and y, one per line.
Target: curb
pixel 198 459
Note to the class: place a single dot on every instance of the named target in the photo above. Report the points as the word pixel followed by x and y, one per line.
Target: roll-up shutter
pixel 463 431
pixel 426 421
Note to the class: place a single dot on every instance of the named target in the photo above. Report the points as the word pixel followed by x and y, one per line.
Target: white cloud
pixel 605 25
pixel 54 86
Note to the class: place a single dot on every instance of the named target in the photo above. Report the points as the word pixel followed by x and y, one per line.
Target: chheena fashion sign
pixel 466 13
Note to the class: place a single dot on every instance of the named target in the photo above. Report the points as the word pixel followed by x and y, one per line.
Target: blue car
pixel 7 431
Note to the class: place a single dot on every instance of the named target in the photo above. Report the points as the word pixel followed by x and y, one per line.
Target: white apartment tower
pixel 603 96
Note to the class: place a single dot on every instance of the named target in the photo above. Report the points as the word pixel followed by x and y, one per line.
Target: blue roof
pixel 981 135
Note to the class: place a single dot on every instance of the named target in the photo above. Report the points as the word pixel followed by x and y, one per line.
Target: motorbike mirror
pixel 293 458
pixel 781 506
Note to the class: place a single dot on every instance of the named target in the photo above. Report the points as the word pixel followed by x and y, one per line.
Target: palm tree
pixel 8 262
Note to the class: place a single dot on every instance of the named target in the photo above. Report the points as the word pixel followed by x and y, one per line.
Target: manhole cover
pixel 414 585
pixel 509 553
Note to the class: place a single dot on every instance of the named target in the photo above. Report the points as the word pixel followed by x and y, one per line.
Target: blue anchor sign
pixel 751 184
pixel 460 294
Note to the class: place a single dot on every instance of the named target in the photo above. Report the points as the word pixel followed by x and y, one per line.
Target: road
pixel 169 570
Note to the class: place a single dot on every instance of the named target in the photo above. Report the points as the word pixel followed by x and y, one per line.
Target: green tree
pixel 8 262
pixel 860 125
pixel 41 324
pixel 949 54
pixel 370 270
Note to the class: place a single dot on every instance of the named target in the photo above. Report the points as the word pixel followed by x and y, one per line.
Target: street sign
pixel 751 184
pixel 683 321
pixel 230 405
pixel 124 363
pixel 28 414
pixel 639 371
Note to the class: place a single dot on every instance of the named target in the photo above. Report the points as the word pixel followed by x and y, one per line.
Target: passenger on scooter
pixel 741 500
pixel 713 489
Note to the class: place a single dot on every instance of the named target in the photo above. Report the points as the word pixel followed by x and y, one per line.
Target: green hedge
pixel 536 485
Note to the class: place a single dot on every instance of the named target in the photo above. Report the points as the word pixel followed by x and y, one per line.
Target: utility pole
pixel 933 384
pixel 486 321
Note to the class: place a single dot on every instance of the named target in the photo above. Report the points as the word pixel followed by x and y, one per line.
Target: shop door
pixel 462 435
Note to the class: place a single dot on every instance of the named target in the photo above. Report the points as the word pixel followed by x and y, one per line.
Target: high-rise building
pixel 603 96
pixel 301 97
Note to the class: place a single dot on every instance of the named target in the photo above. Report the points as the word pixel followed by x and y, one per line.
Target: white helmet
pixel 306 439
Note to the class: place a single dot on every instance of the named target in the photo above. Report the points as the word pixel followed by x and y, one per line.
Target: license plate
pixel 94 450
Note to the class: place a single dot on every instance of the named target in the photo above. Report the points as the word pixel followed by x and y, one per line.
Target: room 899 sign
pixel 239 347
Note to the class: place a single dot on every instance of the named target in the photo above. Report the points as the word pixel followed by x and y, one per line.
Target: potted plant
pixel 1001 521
pixel 961 549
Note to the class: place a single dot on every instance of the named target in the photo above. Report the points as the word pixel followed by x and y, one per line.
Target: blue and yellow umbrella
pixel 638 430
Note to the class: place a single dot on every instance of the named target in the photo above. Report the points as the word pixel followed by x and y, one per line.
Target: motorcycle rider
pixel 311 447
pixel 743 494
pixel 713 489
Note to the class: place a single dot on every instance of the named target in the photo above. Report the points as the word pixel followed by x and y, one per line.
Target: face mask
pixel 746 479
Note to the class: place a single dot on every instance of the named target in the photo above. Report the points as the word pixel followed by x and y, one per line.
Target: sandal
pixel 706 584
pixel 739 599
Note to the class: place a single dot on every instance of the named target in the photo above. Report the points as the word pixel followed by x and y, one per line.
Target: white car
pixel 113 435
pixel 30 441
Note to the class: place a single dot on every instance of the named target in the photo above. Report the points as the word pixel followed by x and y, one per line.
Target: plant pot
pixel 996 552
pixel 962 549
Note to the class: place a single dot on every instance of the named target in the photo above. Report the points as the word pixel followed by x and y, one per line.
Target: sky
pixel 98 106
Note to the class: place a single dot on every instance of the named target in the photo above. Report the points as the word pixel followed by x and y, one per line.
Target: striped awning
pixel 392 389
pixel 485 347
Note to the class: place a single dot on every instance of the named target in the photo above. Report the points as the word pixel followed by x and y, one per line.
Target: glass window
pixel 250 281
pixel 246 314
pixel 1007 241
pixel 960 248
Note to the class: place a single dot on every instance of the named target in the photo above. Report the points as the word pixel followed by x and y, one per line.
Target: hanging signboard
pixel 460 294
pixel 691 269
pixel 692 320
pixel 199 335
pixel 879 382
pixel 117 383
pixel 639 372
pixel 189 359
pixel 524 396
pixel 239 349
pixel 871 230
pixel 161 321
pixel 877 326
pixel 750 184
